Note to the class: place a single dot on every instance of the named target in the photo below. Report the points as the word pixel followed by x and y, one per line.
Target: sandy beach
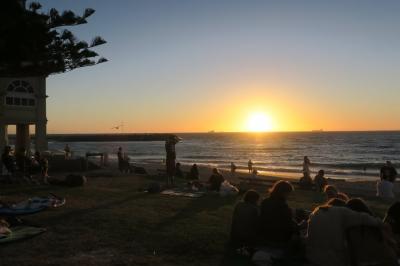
pixel 354 187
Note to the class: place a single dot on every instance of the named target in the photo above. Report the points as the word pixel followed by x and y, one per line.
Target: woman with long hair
pixel 277 222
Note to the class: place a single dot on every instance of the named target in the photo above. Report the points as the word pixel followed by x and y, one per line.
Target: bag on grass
pixel 75 180
pixel 227 189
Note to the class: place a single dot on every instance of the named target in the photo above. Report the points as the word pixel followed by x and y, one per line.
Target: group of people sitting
pixel 335 233
pixel 22 164
pixel 215 183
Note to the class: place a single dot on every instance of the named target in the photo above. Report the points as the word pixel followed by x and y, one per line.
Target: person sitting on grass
pixel 278 226
pixel 326 234
pixel 215 180
pixel 193 178
pixel 193 173
pixel 331 192
pixel 358 205
pixel 392 219
pixel 8 160
pixel 320 181
pixel 43 164
pixel 305 182
pixel 245 221
pixel 368 244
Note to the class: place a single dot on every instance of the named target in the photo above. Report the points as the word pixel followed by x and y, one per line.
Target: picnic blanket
pixel 31 206
pixel 183 193
pixel 20 233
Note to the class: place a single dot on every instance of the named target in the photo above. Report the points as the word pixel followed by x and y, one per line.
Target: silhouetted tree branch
pixel 31 42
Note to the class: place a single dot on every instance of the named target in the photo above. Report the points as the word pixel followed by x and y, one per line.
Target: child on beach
pixel 250 166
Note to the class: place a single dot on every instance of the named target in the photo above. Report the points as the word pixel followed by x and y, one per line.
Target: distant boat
pixel 211 131
pixel 317 130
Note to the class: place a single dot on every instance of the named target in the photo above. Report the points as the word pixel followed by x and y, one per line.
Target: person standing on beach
pixel 67 151
pixel 306 167
pixel 250 166
pixel 170 160
pixel 233 169
pixel 120 156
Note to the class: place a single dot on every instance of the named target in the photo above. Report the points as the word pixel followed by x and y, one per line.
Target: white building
pixel 23 103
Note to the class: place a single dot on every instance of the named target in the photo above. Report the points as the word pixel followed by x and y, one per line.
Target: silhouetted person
pixel 178 170
pixel 215 180
pixel 20 159
pixel 43 165
pixel 358 205
pixel 388 172
pixel 8 160
pixel 370 243
pixel 171 157
pixel 67 151
pixel 233 169
pixel 278 226
pixel 193 173
pixel 24 163
pixel 123 161
pixel 320 181
pixel 384 186
pixel 306 167
pixel 392 218
pixel 331 192
pixel 244 229
pixel 250 166
pixel 326 235
pixel 305 182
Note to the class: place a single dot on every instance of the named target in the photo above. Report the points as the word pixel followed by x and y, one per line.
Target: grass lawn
pixel 109 222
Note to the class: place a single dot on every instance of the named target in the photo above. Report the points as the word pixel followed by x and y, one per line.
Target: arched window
pixel 20 93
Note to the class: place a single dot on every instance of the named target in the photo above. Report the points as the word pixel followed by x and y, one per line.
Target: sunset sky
pixel 195 66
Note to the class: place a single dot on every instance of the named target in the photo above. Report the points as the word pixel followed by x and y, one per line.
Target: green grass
pixel 109 222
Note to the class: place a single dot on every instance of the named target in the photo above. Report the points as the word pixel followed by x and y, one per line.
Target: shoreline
pixel 353 187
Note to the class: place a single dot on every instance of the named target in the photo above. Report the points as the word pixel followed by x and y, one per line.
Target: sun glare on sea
pixel 259 122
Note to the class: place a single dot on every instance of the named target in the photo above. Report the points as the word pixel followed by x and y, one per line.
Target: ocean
pixel 346 155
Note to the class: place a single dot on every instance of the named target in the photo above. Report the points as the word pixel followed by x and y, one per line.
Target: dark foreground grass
pixel 110 222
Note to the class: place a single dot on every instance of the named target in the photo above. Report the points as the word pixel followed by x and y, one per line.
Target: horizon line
pixel 228 132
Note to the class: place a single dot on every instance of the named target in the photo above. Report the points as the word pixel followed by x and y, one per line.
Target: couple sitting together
pixel 338 232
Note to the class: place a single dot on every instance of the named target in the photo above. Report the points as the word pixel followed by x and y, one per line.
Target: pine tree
pixel 33 43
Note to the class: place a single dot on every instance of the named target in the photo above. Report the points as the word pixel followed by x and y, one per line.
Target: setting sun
pixel 259 122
